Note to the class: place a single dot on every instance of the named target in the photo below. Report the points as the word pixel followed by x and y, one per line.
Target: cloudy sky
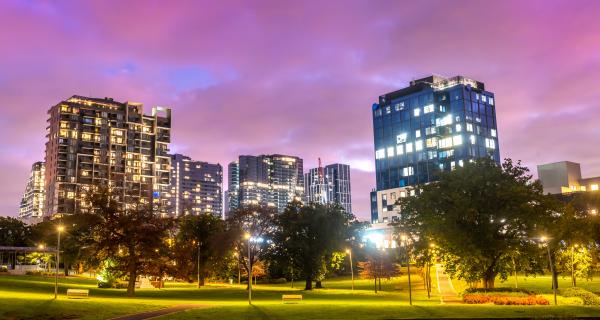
pixel 299 77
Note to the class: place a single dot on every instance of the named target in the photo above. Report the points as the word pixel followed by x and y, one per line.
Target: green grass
pixel 31 297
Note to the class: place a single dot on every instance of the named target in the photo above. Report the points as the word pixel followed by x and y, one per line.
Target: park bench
pixel 77 293
pixel 291 298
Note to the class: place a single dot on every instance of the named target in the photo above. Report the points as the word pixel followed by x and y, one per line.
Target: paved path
pixel 447 293
pixel 158 313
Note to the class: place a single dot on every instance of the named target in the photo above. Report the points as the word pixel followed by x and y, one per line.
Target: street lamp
pixel 198 262
pixel 247 236
pixel 349 251
pixel 405 241
pixel 60 229
pixel 545 240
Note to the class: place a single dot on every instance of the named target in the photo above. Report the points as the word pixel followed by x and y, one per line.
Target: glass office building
pixel 435 124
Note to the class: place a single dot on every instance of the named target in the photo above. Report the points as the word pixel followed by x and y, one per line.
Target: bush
pixel 501 289
pixel 589 298
pixel 3 269
pixel 33 273
pixel 499 299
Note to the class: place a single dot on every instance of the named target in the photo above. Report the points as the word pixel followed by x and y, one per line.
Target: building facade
pixel 564 177
pixel 196 187
pixel 32 203
pixel 95 141
pixel 329 184
pixel 435 124
pixel 271 180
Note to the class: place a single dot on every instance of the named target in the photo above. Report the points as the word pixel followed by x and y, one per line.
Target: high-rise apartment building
pixel 196 187
pixel 101 141
pixel 564 177
pixel 329 184
pixel 32 203
pixel 271 180
pixel 435 124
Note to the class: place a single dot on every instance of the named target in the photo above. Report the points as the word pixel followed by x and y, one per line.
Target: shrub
pixel 3 269
pixel 499 299
pixel 589 298
pixel 278 281
pixel 501 289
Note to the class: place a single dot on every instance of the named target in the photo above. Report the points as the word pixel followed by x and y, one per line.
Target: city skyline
pixel 310 96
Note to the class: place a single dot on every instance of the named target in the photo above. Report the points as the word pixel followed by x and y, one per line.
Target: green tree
pixel 308 235
pixel 133 236
pixel 14 232
pixel 255 221
pixel 207 236
pixel 478 215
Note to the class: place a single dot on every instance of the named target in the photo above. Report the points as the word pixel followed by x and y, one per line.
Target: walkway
pixel 158 313
pixel 447 293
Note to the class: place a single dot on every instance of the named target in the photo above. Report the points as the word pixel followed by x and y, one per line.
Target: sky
pixel 299 77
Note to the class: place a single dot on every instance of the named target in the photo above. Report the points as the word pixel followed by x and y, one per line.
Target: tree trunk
pixel 132 278
pixel 318 284
pixel 488 279
pixel 379 283
pixel 555 278
pixel 308 285
pixel 201 282
pixel 66 269
pixel 375 284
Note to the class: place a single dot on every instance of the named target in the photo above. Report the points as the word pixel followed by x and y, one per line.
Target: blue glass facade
pixel 434 124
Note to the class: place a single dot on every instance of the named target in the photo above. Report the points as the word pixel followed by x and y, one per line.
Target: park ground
pixel 31 297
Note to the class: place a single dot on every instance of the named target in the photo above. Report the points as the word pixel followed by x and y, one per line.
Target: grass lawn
pixel 31 297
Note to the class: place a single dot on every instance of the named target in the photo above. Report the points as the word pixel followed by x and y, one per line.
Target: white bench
pixel 77 293
pixel 291 298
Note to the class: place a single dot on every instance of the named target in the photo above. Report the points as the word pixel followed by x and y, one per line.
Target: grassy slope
pixel 29 297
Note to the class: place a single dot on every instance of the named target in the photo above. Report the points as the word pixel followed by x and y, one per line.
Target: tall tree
pixel 14 232
pixel 255 221
pixel 309 234
pixel 478 216
pixel 208 241
pixel 133 236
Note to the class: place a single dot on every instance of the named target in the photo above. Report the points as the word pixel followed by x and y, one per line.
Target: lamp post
pixel 60 229
pixel 544 239
pixel 349 251
pixel 405 241
pixel 198 262
pixel 247 237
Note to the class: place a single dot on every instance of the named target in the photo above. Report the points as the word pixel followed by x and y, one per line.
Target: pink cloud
pixel 299 78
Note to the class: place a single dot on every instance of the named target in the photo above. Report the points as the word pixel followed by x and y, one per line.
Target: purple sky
pixel 299 78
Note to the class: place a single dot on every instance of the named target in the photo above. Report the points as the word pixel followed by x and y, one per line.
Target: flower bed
pixel 502 299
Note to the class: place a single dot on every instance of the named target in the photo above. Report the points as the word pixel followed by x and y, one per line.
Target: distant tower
pixel 32 203
pixel 329 184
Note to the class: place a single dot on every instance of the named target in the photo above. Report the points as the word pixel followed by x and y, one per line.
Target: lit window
pixel 469 127
pixel 408 171
pixel 418 134
pixel 447 120
pixel 445 143
pixel 458 127
pixel 490 143
pixel 457 140
pixel 401 138
pixel 493 132
pixel 594 187
pixel 380 154
pixel 461 163
pixel 417 112
pixel 390 152
pixel 431 142
pixel 428 108
pixel 491 100
pixel 409 147
pixel 472 139
pixel 452 165
pixel 430 130
pixel 388 110
pixel 400 149
pixel 419 145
